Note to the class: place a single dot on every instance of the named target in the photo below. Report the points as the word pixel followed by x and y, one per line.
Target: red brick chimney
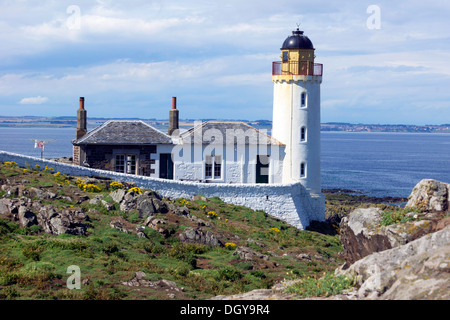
pixel 81 120
pixel 173 117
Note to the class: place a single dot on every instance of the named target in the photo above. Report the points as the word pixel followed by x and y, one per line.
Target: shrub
pixel 33 251
pixel 116 185
pixel 87 187
pixel 135 190
pixel 212 214
pixel 10 164
pixel 230 245
pixel 228 274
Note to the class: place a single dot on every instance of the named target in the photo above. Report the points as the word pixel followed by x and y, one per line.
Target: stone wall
pixel 289 202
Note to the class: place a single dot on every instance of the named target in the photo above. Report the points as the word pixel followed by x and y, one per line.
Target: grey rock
pixel 247 254
pixel 145 207
pixel 430 195
pixel 27 218
pixel 118 195
pixel 419 269
pixel 197 235
pixel 5 205
pixel 68 221
pixel 160 206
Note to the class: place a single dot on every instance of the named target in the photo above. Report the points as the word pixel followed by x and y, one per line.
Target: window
pixel 217 167
pixel 303 100
pixel 120 163
pixel 285 56
pixel 213 165
pixel 131 163
pixel 126 163
pixel 303 170
pixel 303 134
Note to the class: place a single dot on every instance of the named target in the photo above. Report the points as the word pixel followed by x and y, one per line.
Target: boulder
pixel 68 221
pixel 140 281
pixel 145 207
pixel 5 205
pixel 27 218
pixel 247 254
pixel 118 195
pixel 419 269
pixel 361 236
pixel 198 235
pixel 361 233
pixel 430 195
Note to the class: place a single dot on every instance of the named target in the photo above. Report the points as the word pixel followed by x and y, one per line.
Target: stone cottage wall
pixel 289 202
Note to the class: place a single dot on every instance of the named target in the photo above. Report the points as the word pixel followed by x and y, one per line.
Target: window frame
pixel 303 100
pixel 213 167
pixel 303 134
pixel 122 164
pixel 303 170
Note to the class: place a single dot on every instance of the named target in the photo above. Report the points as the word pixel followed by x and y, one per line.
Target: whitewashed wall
pixel 288 202
pixel 238 163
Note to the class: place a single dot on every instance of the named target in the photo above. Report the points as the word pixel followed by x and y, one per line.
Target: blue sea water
pixel 375 164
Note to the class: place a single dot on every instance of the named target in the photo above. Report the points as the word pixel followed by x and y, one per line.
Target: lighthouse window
pixel 303 134
pixel 303 170
pixel 303 100
pixel 285 56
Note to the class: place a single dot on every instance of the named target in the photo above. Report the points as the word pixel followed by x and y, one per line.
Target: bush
pixel 33 251
pixel 116 185
pixel 230 245
pixel 228 274
pixel 135 190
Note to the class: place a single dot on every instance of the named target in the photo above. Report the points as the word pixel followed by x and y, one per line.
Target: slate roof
pixel 124 132
pixel 227 132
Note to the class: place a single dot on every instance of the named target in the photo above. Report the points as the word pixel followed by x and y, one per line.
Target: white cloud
pixel 34 100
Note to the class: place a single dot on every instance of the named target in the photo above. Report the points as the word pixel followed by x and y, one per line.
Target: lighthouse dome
pixel 297 41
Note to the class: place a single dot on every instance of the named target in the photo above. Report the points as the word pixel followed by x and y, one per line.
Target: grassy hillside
pixel 34 264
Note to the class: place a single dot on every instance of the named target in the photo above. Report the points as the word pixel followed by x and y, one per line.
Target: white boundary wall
pixel 289 202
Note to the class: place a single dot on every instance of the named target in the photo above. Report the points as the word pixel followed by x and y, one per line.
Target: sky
pixel 385 62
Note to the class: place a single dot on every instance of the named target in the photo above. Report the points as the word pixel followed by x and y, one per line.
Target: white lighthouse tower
pixel 296 111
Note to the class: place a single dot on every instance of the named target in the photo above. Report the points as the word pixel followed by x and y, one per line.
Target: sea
pixel 369 163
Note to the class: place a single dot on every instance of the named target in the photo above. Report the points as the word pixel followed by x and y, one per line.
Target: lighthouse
pixel 296 110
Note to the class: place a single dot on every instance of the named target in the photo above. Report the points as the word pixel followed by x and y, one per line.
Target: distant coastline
pixel 71 122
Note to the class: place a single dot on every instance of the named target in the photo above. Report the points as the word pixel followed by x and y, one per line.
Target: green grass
pixel 325 286
pixel 33 265
pixel 399 215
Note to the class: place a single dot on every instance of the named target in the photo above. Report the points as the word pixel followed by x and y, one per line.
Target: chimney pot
pixel 82 103
pixel 174 103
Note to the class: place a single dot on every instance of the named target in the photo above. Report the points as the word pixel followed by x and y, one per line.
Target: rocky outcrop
pixel 409 260
pixel 417 270
pixel 247 254
pixel 66 221
pixel 362 233
pixel 51 219
pixel 164 285
pixel 430 195
pixel 198 235
pixel 147 203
